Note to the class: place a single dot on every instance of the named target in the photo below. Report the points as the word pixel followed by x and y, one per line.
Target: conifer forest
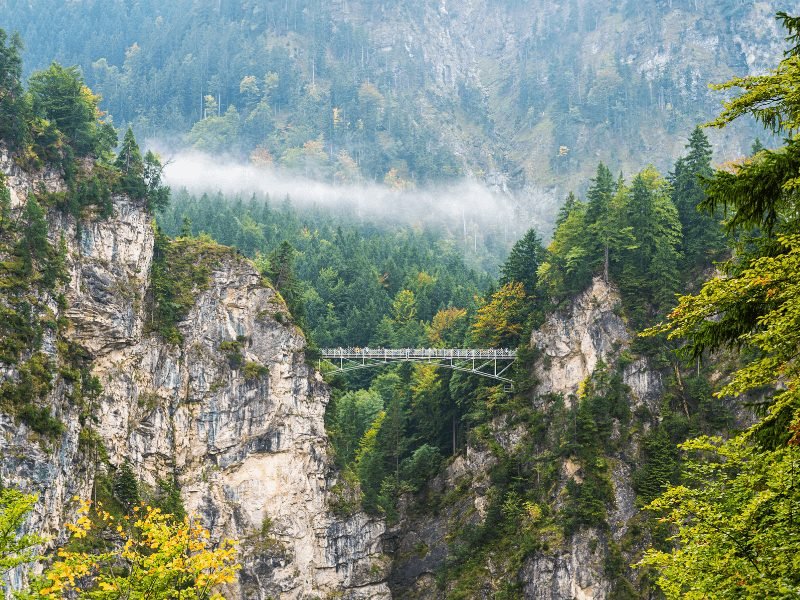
pixel 423 299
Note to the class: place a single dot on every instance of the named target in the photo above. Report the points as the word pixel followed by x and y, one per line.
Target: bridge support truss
pixel 492 363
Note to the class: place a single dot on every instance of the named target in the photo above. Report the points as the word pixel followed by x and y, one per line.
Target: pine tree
pixel 599 216
pixel 703 238
pixel 735 513
pixel 523 263
pixel 33 247
pixel 566 209
pixel 653 260
pixel 13 124
pixel 126 486
pixel 129 162
pixel 60 95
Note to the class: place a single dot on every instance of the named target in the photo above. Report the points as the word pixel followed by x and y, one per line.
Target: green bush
pixel 41 420
pixel 253 370
pixel 233 351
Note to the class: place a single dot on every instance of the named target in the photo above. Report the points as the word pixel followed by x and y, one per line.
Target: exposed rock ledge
pixel 243 450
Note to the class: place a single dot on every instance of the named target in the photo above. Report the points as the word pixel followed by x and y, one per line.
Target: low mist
pixel 460 205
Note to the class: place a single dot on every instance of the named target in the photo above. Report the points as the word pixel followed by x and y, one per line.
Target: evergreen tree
pixel 281 273
pixel 158 194
pixel 651 271
pixel 703 237
pixel 60 95
pixel 126 486
pixel 523 263
pixel 13 125
pixel 370 464
pixel 735 514
pixel 33 247
pixel 186 226
pixel 599 217
pixel 131 166
pixel 566 209
pixel 500 323
pixel 660 465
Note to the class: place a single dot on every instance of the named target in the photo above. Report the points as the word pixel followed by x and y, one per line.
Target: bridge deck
pixel 486 362
pixel 406 353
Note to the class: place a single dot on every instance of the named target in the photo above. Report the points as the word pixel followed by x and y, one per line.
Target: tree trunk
pixel 454 435
pixel 683 391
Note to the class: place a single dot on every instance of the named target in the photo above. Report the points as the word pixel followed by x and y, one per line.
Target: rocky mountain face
pixel 572 346
pixel 541 91
pixel 244 439
pixel 526 96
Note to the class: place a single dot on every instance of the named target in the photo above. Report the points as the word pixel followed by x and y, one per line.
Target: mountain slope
pixel 525 95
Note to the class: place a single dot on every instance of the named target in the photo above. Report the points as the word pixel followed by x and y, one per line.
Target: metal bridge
pixel 491 363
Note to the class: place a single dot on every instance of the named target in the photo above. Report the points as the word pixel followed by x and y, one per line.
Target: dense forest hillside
pixel 169 427
pixel 524 95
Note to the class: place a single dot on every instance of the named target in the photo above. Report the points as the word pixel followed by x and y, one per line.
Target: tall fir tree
pixel 13 125
pixel 523 262
pixel 600 218
pixel 703 237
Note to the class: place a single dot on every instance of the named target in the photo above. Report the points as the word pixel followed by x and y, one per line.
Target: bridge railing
pixel 390 353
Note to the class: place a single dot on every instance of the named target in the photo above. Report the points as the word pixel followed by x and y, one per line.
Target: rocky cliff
pixel 538 557
pixel 542 90
pixel 244 439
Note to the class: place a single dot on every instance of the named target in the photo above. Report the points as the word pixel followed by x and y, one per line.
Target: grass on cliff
pixel 181 270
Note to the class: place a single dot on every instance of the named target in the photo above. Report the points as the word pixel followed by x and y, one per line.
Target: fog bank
pixel 461 201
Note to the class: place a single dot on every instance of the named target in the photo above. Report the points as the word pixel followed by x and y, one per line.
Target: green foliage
pixel 337 80
pixel 20 397
pixel 421 466
pixel 370 464
pixel 253 371
pixel 13 122
pixel 131 167
pixel 402 329
pixel 735 523
pixel 60 96
pixel 603 400
pixel 345 273
pixel 16 549
pixel 523 263
pixel 660 466
pixel 733 514
pixel 280 272
pixel 41 420
pixel 629 234
pixel 140 179
pixel 126 486
pixel 168 499
pixel 500 323
pixel 181 270
pixel 703 238
pixel 349 418
pixel 232 349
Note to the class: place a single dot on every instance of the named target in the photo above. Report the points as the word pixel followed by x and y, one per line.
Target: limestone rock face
pixel 573 341
pixel 250 453
pixel 575 573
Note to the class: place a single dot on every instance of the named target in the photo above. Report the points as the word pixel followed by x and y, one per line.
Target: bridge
pixel 491 363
